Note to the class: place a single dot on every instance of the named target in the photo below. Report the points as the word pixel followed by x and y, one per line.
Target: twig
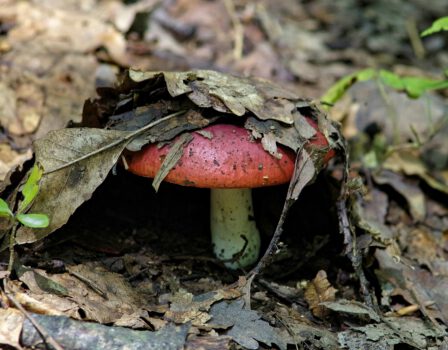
pixel 237 29
pixel 46 337
pixel 271 288
pixel 414 37
pixel 89 283
pixel 128 137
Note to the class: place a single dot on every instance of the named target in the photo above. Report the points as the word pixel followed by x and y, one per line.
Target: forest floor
pixel 133 268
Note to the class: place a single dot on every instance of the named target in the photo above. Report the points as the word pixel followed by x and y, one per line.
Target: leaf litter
pixel 75 161
pixel 400 223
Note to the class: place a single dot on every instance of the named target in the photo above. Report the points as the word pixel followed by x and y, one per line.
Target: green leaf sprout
pixel 438 25
pixel 29 192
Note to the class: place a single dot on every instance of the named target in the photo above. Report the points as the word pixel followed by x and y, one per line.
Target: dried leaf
pixel 416 285
pixel 246 326
pixel 191 120
pixel 304 174
pixel 412 165
pixel 369 216
pixel 318 291
pixel 171 159
pixel 411 331
pixel 270 146
pixel 188 308
pixel 11 321
pixel 351 307
pixel 411 192
pixel 284 135
pixel 34 280
pixel 10 159
pixel 63 191
pixel 226 93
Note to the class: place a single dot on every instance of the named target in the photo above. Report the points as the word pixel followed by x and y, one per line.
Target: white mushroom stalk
pixel 231 219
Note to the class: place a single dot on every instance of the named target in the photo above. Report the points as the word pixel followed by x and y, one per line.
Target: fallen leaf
pixel 352 307
pixel 38 281
pixel 318 291
pixel 226 93
pixel 188 308
pixel 171 159
pixel 246 326
pixel 407 330
pixel 411 165
pixel 304 174
pixel 62 191
pixel 414 284
pixel 320 337
pixel 409 190
pixel 369 215
pixel 11 321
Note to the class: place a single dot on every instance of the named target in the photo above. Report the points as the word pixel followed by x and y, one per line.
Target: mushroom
pixel 226 159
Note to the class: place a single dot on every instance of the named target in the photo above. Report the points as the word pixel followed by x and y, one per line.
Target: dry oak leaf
pixel 318 291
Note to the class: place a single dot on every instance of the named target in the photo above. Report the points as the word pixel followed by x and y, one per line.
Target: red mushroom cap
pixel 229 159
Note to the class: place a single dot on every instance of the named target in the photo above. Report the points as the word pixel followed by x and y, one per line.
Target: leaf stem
pixel 12 241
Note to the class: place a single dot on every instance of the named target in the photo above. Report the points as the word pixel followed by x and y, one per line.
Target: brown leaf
pixel 226 93
pixel 408 189
pixel 63 191
pixel 171 159
pixel 304 174
pixel 188 308
pixel 103 296
pixel 416 285
pixel 318 291
pixel 11 321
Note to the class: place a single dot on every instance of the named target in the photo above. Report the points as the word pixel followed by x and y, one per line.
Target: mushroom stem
pixel 231 217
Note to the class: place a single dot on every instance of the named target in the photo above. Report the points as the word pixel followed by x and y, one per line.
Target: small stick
pixel 237 28
pixel 89 283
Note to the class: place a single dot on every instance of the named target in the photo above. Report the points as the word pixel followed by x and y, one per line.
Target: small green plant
pixel 414 87
pixel 29 191
pixel 438 25
pixel 373 153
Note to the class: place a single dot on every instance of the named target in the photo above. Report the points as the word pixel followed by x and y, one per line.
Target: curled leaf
pixel 171 159
pixel 227 93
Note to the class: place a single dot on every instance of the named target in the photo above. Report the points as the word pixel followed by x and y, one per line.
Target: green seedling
pixel 414 87
pixel 438 25
pixel 29 192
